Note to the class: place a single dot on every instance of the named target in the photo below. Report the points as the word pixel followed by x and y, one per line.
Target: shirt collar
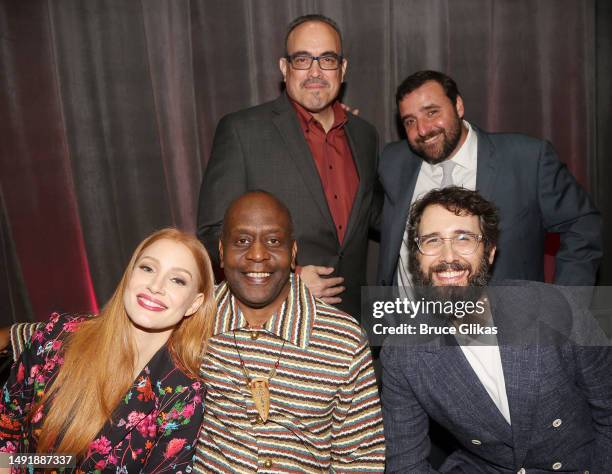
pixel 292 323
pixel 307 120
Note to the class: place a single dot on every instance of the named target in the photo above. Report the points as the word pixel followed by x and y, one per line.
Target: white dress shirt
pixel 486 363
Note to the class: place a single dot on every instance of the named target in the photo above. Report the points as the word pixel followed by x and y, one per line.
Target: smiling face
pixel 432 123
pixel 450 268
pixel 163 287
pixel 257 253
pixel 314 89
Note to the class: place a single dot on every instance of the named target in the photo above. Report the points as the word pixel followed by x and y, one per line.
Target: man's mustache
pixel 450 266
pixel 315 80
pixel 421 140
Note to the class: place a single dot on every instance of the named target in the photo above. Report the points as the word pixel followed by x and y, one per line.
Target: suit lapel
pixel 361 163
pixel 451 371
pixel 287 124
pixel 486 165
pixel 409 166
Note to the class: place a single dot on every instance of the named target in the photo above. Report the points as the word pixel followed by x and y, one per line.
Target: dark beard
pixel 451 136
pixel 478 278
pixel 477 281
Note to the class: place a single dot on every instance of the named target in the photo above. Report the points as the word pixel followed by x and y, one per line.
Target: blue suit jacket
pixel 535 194
pixel 559 393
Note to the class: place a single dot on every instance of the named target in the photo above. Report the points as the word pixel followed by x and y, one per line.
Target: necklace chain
pixel 245 371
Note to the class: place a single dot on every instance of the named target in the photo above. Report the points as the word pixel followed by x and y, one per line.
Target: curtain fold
pixel 35 175
pixel 600 167
pixel 14 301
pixel 169 55
pixel 114 147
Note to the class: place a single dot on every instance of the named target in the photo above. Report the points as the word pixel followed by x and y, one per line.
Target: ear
pixel 197 302
pixel 459 107
pixel 344 66
pixel 283 66
pixel 220 253
pixel 293 255
pixel 492 255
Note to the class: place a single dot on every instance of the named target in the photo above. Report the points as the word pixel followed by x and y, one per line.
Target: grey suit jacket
pixel 559 394
pixel 535 194
pixel 264 148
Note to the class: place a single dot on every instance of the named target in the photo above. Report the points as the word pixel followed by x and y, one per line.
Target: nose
pixel 447 253
pixel 257 252
pixel 315 68
pixel 156 284
pixel 423 127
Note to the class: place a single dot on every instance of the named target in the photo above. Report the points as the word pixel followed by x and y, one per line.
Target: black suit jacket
pixel 535 194
pixel 263 147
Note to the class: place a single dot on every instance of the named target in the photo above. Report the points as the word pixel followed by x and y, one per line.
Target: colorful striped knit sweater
pixel 324 411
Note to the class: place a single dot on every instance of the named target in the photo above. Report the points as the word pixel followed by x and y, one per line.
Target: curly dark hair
pixel 461 201
pixel 416 80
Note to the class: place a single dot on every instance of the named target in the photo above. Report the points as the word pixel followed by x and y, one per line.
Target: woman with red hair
pixel 120 390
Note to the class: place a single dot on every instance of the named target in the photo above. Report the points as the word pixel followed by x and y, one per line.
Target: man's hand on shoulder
pixel 328 289
pixel 349 109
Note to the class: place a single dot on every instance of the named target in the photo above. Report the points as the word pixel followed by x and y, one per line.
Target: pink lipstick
pixel 150 303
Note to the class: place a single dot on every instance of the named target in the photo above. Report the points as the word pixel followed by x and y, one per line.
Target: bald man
pixel 290 382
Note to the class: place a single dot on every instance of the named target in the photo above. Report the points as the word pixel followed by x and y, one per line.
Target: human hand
pixel 327 289
pixel 347 108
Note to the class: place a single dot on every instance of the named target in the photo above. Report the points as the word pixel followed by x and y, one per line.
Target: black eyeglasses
pixel 463 244
pixel 304 61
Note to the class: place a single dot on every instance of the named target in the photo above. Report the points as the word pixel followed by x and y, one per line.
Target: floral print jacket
pixel 153 429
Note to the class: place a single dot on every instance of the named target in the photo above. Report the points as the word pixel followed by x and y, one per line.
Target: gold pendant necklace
pixel 259 386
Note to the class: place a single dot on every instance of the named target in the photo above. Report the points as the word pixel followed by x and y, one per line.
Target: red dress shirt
pixel 332 156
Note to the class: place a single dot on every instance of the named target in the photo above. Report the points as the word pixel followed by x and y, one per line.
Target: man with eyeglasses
pixel 523 384
pixel 534 191
pixel 317 159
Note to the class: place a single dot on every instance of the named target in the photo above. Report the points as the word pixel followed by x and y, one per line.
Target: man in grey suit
pixel 534 395
pixel 309 153
pixel 533 190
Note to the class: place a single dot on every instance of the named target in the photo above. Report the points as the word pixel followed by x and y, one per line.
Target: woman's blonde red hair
pixel 99 357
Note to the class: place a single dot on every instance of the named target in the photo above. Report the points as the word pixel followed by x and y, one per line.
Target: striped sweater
pixel 324 409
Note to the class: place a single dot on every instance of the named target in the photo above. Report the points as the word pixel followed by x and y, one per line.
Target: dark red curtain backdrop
pixel 37 181
pixel 108 108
